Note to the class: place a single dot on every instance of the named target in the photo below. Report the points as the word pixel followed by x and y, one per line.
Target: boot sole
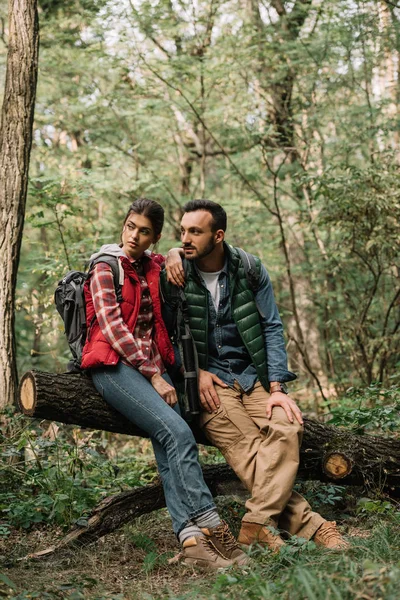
pixel 203 565
pixel 258 543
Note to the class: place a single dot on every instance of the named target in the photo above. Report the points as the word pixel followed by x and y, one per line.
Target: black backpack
pixel 70 303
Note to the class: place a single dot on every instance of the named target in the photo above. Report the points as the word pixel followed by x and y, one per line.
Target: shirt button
pixel 222 285
pixel 219 346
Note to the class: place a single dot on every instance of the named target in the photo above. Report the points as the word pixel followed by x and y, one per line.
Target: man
pixel 247 412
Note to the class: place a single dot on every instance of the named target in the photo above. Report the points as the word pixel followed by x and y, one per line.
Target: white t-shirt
pixel 211 281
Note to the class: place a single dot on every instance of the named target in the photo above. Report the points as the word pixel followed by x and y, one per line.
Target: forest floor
pixel 132 564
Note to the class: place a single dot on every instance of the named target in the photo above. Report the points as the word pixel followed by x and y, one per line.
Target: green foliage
pixel 369 506
pixel 370 409
pixel 287 119
pixel 321 495
pixel 57 481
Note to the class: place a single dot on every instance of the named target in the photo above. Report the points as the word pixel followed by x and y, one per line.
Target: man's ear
pixel 219 236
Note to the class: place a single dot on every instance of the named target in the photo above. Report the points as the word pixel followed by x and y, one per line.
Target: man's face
pixel 198 239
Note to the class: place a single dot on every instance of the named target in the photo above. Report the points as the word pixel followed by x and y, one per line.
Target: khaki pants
pixel 264 453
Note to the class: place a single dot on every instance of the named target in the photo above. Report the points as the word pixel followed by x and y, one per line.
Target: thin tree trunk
pixel 15 145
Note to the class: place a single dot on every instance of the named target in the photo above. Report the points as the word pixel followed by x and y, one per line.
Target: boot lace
pixel 225 537
pixel 208 545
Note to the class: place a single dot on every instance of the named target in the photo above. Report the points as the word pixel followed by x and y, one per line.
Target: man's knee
pixel 280 422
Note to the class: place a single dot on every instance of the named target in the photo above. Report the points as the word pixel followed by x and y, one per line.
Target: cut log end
pixel 337 465
pixel 27 394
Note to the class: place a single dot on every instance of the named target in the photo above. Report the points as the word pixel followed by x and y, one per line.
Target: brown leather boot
pixel 225 544
pixel 329 537
pixel 254 533
pixel 198 551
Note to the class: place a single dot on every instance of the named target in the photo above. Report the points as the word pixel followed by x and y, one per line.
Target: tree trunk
pixel 15 146
pixel 328 453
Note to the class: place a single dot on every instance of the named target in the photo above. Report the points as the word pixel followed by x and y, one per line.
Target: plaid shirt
pixel 137 349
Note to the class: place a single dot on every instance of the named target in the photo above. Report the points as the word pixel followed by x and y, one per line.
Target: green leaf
pixel 7 581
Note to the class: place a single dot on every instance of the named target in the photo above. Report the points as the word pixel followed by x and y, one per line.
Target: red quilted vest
pixel 97 351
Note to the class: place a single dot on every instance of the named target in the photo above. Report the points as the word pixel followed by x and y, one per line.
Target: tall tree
pixel 15 145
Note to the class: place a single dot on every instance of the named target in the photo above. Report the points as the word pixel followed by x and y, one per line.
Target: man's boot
pixel 254 533
pixel 198 551
pixel 225 544
pixel 329 537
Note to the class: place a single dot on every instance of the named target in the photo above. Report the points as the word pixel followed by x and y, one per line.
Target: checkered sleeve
pixel 112 326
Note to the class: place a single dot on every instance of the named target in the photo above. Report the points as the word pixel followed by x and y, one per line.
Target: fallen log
pixel 328 453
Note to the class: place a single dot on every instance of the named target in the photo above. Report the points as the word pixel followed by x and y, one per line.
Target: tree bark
pixel 327 453
pixel 15 145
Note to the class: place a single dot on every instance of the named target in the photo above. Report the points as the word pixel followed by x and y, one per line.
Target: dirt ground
pixel 131 564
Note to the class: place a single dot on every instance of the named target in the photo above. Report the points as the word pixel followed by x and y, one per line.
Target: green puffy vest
pixel 244 312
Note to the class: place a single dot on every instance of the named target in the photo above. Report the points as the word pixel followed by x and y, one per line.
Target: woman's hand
pixel 166 391
pixel 174 267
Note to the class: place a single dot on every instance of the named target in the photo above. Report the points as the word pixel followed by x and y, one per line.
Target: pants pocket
pixel 220 430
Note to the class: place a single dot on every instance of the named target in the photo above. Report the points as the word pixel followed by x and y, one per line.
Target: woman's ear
pixel 156 240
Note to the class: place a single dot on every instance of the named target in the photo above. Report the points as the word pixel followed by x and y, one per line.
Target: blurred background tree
pixel 286 112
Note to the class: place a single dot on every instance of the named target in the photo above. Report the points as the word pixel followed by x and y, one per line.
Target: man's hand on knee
pixel 208 395
pixel 289 406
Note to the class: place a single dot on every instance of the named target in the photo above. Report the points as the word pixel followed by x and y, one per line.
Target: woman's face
pixel 137 235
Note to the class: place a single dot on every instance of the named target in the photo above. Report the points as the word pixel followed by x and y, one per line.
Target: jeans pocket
pixel 220 429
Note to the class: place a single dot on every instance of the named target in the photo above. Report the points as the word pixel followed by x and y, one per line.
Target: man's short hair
pixel 217 212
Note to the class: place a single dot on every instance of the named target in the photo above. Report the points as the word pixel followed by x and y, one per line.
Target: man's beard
pixel 207 250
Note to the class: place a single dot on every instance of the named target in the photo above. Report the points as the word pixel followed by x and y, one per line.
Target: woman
pixel 127 350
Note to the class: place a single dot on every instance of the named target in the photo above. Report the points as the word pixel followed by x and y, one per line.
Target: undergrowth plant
pixel 46 480
pixel 372 409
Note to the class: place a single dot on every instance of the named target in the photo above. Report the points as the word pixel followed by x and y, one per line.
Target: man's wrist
pixel 277 386
pixel 176 251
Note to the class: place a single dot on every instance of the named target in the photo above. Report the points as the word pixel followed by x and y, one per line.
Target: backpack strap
pixel 184 341
pixel 117 271
pixel 250 269
pixel 177 300
pixel 252 273
pixel 188 352
pixel 80 301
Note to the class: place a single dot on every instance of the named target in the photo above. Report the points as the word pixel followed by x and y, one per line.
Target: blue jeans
pixel 175 448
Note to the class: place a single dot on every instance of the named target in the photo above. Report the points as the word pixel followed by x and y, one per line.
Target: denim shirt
pixel 228 357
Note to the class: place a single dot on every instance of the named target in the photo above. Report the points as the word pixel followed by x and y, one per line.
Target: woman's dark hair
pixel 217 212
pixel 150 209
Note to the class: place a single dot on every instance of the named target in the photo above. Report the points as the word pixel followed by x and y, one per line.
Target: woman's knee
pixel 178 434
